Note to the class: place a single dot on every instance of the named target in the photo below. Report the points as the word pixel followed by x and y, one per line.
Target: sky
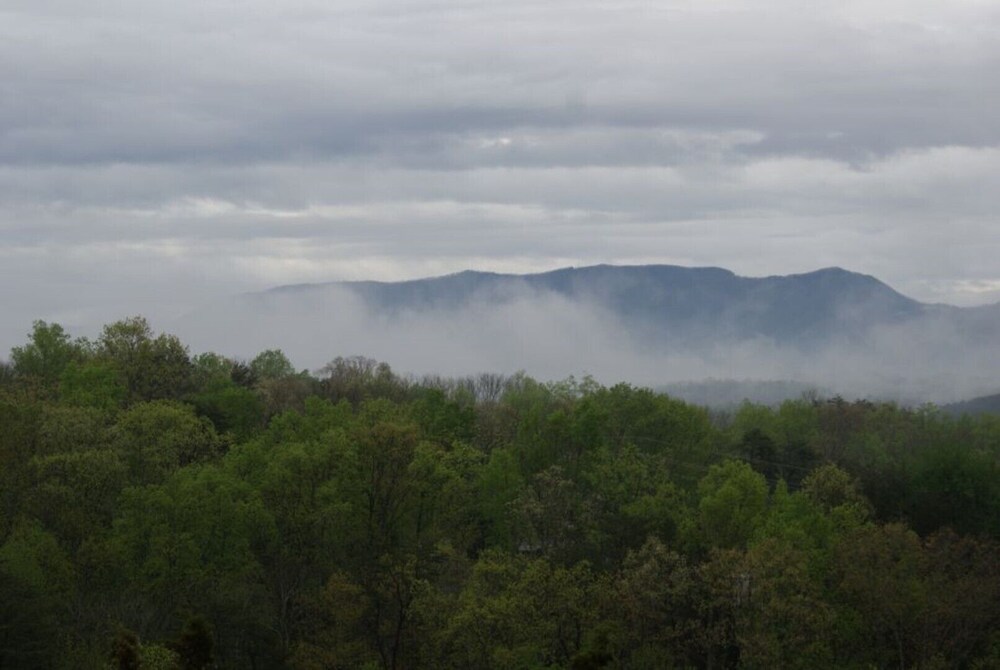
pixel 156 155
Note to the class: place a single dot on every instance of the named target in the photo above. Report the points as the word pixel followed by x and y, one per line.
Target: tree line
pixel 166 510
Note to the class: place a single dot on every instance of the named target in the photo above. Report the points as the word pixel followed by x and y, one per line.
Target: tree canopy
pixel 163 510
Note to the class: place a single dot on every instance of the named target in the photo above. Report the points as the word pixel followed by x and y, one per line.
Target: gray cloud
pixel 155 155
pixel 255 81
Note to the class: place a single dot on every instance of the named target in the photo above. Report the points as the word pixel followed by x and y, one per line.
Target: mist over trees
pixel 160 509
pixel 651 325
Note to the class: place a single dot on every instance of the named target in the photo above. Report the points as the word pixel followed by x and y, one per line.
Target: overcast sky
pixel 158 153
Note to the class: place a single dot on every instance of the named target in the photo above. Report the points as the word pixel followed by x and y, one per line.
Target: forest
pixel 165 510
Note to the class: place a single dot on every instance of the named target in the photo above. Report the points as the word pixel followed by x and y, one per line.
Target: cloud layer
pixel 155 155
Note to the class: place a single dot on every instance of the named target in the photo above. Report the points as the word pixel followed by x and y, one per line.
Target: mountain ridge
pixel 551 278
pixel 648 324
pixel 829 270
pixel 675 302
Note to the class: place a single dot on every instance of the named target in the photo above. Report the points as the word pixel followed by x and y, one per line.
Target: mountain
pixel 652 324
pixel 983 405
pixel 666 303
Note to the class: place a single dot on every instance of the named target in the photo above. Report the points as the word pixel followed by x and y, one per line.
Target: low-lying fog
pixel 551 337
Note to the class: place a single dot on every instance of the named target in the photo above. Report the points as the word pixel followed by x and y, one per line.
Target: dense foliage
pixel 159 510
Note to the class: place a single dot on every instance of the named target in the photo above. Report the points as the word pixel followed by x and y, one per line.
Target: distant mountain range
pixel 652 324
pixel 983 405
pixel 667 304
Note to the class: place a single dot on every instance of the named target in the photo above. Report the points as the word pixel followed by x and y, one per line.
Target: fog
pixel 551 337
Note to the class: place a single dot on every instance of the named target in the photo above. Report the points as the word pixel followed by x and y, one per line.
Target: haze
pixel 158 156
pixel 550 336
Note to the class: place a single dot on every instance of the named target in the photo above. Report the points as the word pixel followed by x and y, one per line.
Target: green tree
pixel 650 605
pixel 192 544
pixel 156 438
pixel 94 384
pixel 153 367
pixel 962 582
pixel 7 374
pixel 955 486
pixel 47 354
pixel 74 494
pixel 732 501
pixel 21 417
pixel 67 428
pixel 782 619
pixel 838 494
pixel 357 379
pixel 37 582
pixel 442 420
pixel 553 518
pixel 308 486
pixel 231 408
pixel 632 497
pixel 499 484
pixel 878 581
pixel 271 364
pixel 334 630
pixel 519 613
pixel 210 368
